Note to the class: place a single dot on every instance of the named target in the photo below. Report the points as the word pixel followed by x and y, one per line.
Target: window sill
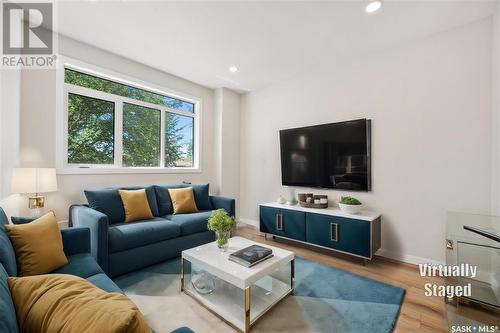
pixel 106 171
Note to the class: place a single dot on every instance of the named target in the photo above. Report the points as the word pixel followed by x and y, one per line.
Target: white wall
pixel 38 125
pixel 227 108
pixel 430 103
pixel 495 168
pixel 10 99
pixel 495 123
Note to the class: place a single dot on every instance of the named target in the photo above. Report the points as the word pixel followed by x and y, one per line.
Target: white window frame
pixel 63 89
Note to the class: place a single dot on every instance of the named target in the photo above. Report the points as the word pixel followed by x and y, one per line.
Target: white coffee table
pixel 240 295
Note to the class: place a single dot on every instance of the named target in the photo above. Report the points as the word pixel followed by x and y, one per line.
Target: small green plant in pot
pixel 222 224
pixel 350 205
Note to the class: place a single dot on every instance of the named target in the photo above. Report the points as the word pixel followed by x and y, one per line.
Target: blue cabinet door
pixel 293 224
pixel 283 222
pixel 348 235
pixel 268 219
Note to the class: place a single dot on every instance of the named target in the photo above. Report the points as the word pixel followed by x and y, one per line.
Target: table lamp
pixel 34 181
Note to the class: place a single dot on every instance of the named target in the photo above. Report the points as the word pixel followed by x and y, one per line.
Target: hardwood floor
pixel 419 313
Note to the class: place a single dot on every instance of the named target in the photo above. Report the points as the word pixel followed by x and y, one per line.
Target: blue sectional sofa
pixel 125 247
pixel 76 244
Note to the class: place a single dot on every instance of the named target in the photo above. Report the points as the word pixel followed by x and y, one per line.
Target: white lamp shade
pixel 33 180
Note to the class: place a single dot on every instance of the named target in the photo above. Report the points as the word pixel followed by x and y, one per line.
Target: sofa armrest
pixel 223 202
pixel 97 222
pixel 76 240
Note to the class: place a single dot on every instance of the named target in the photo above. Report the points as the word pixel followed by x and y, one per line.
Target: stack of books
pixel 251 255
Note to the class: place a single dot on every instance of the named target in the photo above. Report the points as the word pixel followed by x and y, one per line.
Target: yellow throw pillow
pixel 38 245
pixel 136 205
pixel 70 304
pixel 183 200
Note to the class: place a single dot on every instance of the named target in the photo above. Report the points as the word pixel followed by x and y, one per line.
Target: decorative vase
pixel 350 209
pixel 281 200
pixel 202 282
pixel 223 239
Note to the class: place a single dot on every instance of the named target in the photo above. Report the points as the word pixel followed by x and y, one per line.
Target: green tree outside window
pixel 91 126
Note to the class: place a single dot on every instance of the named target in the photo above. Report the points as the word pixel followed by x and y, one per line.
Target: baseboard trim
pixel 249 222
pixel 405 258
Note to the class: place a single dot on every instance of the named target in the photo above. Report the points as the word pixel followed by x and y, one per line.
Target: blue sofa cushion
pixel 191 223
pixel 108 202
pixel 151 194
pixel 102 281
pixel 163 198
pixel 22 220
pixel 82 265
pixel 7 253
pixel 8 320
pixel 126 236
pixel 201 197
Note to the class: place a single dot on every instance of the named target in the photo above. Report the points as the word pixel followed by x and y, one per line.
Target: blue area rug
pixel 357 304
pixel 325 299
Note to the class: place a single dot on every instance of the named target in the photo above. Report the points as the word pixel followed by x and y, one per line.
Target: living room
pixel 357 140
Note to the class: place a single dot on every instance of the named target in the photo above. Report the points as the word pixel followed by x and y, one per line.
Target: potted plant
pixel 221 223
pixel 350 205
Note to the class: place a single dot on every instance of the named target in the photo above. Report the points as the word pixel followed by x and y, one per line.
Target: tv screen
pixel 334 156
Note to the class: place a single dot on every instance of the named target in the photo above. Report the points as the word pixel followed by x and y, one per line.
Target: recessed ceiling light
pixel 233 69
pixel 373 6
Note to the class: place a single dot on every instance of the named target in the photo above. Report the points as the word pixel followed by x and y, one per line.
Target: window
pixel 90 130
pixel 141 136
pixel 113 124
pixel 178 140
pixel 97 83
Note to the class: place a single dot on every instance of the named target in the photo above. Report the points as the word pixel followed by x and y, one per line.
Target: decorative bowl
pixel 350 209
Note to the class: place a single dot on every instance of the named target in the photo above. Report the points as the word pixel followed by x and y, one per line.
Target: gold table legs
pixel 247 309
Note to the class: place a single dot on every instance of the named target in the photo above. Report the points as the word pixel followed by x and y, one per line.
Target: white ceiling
pixel 268 41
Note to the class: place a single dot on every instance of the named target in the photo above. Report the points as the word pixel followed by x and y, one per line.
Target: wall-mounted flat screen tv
pixel 333 156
